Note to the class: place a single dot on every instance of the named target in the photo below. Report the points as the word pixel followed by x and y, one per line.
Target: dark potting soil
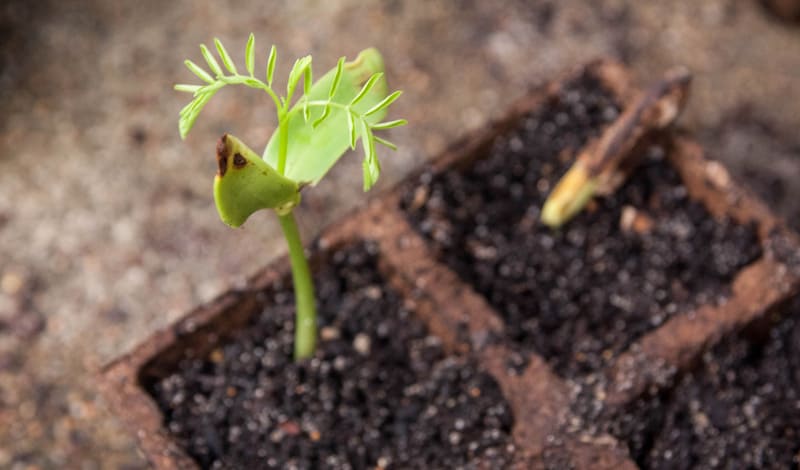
pixel 739 409
pixel 582 294
pixel 379 393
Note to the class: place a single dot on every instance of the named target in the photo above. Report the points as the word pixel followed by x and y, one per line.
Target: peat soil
pixel 740 407
pixel 580 295
pixel 379 393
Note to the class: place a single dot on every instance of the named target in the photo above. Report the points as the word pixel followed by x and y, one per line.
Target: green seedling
pixel 314 131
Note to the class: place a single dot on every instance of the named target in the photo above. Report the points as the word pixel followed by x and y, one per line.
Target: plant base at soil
pixel 379 391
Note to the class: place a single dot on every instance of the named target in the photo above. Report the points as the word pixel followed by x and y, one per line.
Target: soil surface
pixel 739 409
pixel 582 294
pixel 379 393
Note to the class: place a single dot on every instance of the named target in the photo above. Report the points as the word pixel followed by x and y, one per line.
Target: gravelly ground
pixel 107 230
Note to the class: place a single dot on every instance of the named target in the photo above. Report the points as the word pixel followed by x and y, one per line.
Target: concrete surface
pixel 107 227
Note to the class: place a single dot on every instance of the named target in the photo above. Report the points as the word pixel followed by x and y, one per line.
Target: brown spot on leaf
pixel 222 154
pixel 239 161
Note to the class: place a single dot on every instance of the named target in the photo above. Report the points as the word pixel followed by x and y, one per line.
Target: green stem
pixel 305 333
pixel 283 129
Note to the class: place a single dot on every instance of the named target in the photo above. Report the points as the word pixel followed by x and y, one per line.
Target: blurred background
pixel 108 230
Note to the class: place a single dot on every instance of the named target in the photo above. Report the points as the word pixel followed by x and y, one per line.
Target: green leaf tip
pixel 245 184
pixel 389 124
pixel 211 61
pixel 250 54
pixel 366 88
pixel 337 77
pixel 187 88
pixel 226 58
pixel 384 103
pixel 273 56
pixel 197 70
pixel 572 193
pixel 191 111
pixel 300 69
pixel 367 62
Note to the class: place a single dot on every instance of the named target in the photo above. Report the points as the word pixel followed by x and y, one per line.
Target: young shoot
pixel 317 124
pixel 602 165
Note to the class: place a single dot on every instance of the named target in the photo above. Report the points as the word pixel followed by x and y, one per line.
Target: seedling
pixel 344 106
pixel 601 167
